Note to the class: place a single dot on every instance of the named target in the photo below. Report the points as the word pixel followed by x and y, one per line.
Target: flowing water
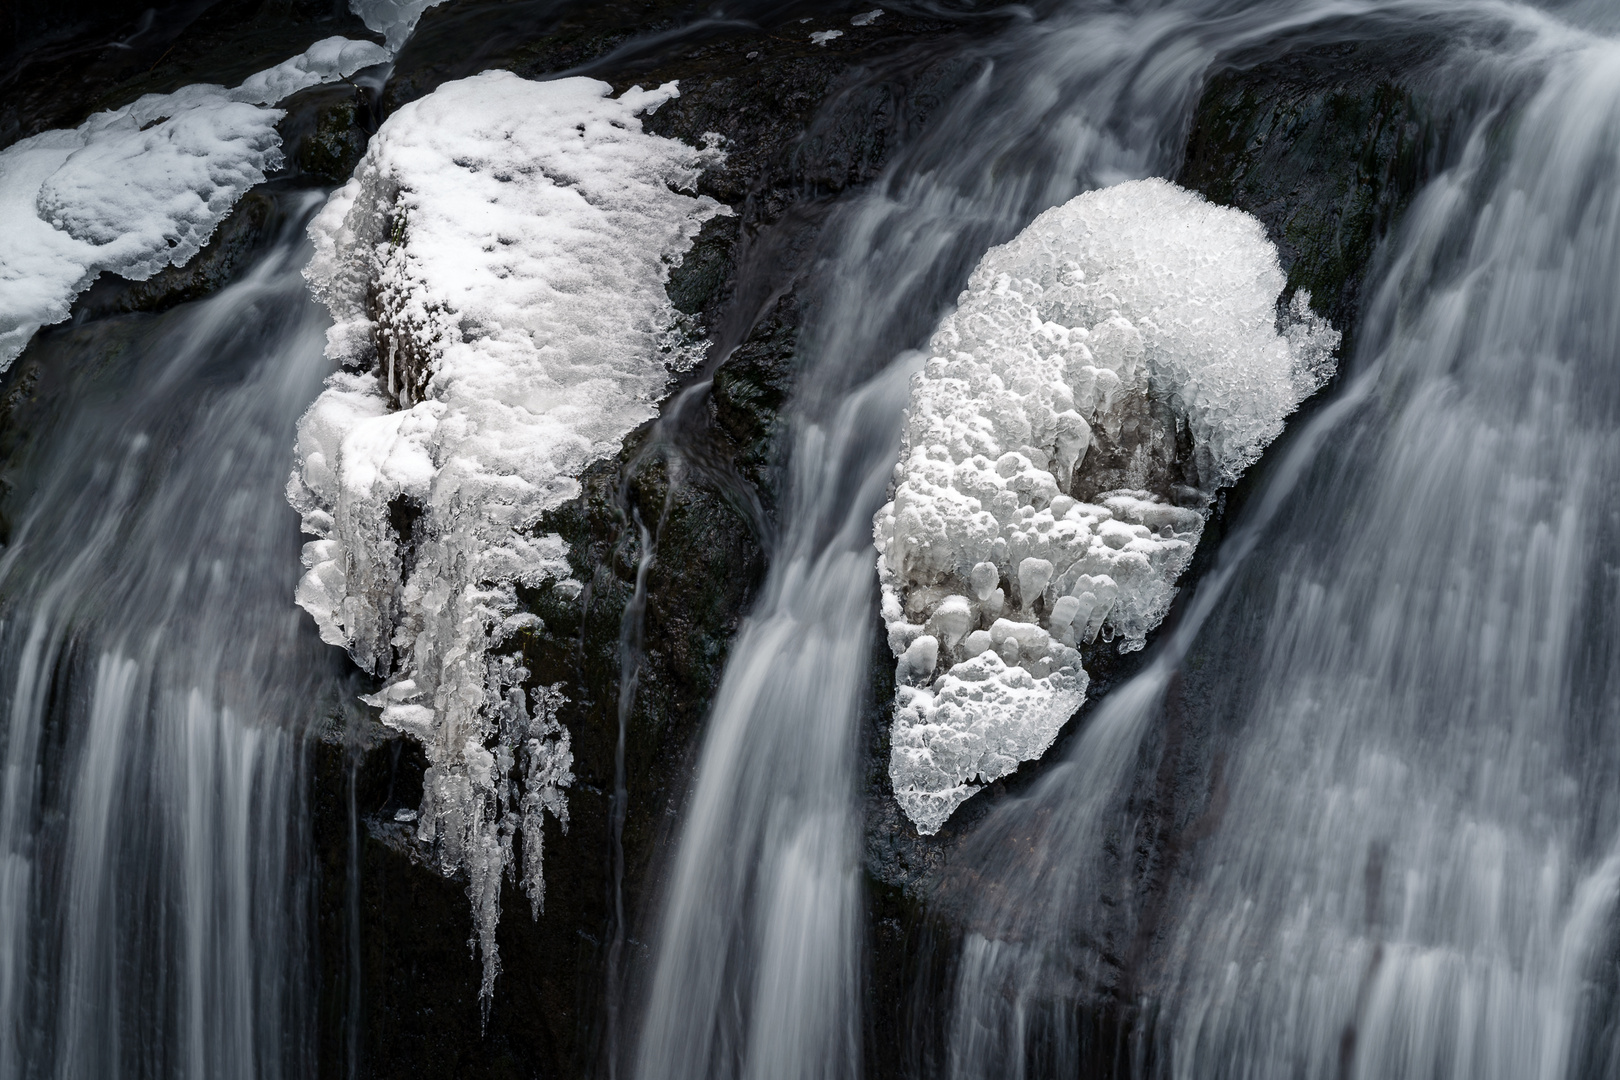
pixel 1407 858
pixel 1403 858
pixel 155 919
pixel 757 971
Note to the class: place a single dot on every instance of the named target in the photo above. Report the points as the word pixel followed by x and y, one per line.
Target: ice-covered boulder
pixel 495 271
pixel 1103 376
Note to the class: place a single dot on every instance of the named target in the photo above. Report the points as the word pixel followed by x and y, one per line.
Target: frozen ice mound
pixel 136 189
pixel 495 270
pixel 1102 377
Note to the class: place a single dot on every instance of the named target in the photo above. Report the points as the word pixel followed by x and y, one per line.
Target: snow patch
pixel 821 37
pixel 495 271
pixel 1103 376
pixel 136 189
pixel 867 18
pixel 323 62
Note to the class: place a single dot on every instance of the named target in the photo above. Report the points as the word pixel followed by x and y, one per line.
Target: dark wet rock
pixel 1326 147
pixel 63 61
pixel 325 131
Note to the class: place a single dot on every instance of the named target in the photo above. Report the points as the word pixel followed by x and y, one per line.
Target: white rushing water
pixel 1416 867
pixel 757 965
pixel 1408 857
pixel 154 913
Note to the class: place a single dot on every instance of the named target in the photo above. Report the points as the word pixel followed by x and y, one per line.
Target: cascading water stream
pixel 1408 859
pixel 757 965
pixel 154 918
pixel 1421 834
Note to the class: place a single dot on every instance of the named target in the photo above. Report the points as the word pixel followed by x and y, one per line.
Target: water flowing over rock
pixel 1346 812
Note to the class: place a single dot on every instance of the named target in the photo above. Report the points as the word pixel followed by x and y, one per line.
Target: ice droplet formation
pixel 1104 374
pixel 496 271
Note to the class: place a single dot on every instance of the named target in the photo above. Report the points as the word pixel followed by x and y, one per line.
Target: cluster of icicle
pixel 495 270
pixel 1139 318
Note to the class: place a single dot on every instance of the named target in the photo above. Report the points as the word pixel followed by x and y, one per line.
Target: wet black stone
pixel 1326 147
pixel 325 132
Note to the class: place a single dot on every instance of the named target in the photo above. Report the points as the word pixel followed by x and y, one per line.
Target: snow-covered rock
pixel 136 189
pixel 495 271
pixel 1103 376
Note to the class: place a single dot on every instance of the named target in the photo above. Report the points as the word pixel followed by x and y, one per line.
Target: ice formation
pixel 393 19
pixel 496 271
pixel 821 37
pixel 139 188
pixel 1103 376
pixel 867 18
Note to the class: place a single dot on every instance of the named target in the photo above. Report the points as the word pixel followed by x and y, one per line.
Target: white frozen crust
pixel 140 188
pixel 496 272
pixel 393 19
pixel 991 574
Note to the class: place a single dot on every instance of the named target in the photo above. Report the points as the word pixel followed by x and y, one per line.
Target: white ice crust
pixel 136 189
pixel 393 19
pixel 1126 322
pixel 495 271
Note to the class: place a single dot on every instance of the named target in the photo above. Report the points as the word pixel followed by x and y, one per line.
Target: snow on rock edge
pixel 1103 376
pixel 495 271
pixel 139 188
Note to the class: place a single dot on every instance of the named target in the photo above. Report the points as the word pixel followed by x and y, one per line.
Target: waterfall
pixel 155 914
pixel 1403 859
pixel 757 965
pixel 1352 818
pixel 1421 834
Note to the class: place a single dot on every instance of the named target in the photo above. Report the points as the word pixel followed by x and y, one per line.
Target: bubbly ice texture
pixel 495 270
pixel 1104 374
pixel 139 188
